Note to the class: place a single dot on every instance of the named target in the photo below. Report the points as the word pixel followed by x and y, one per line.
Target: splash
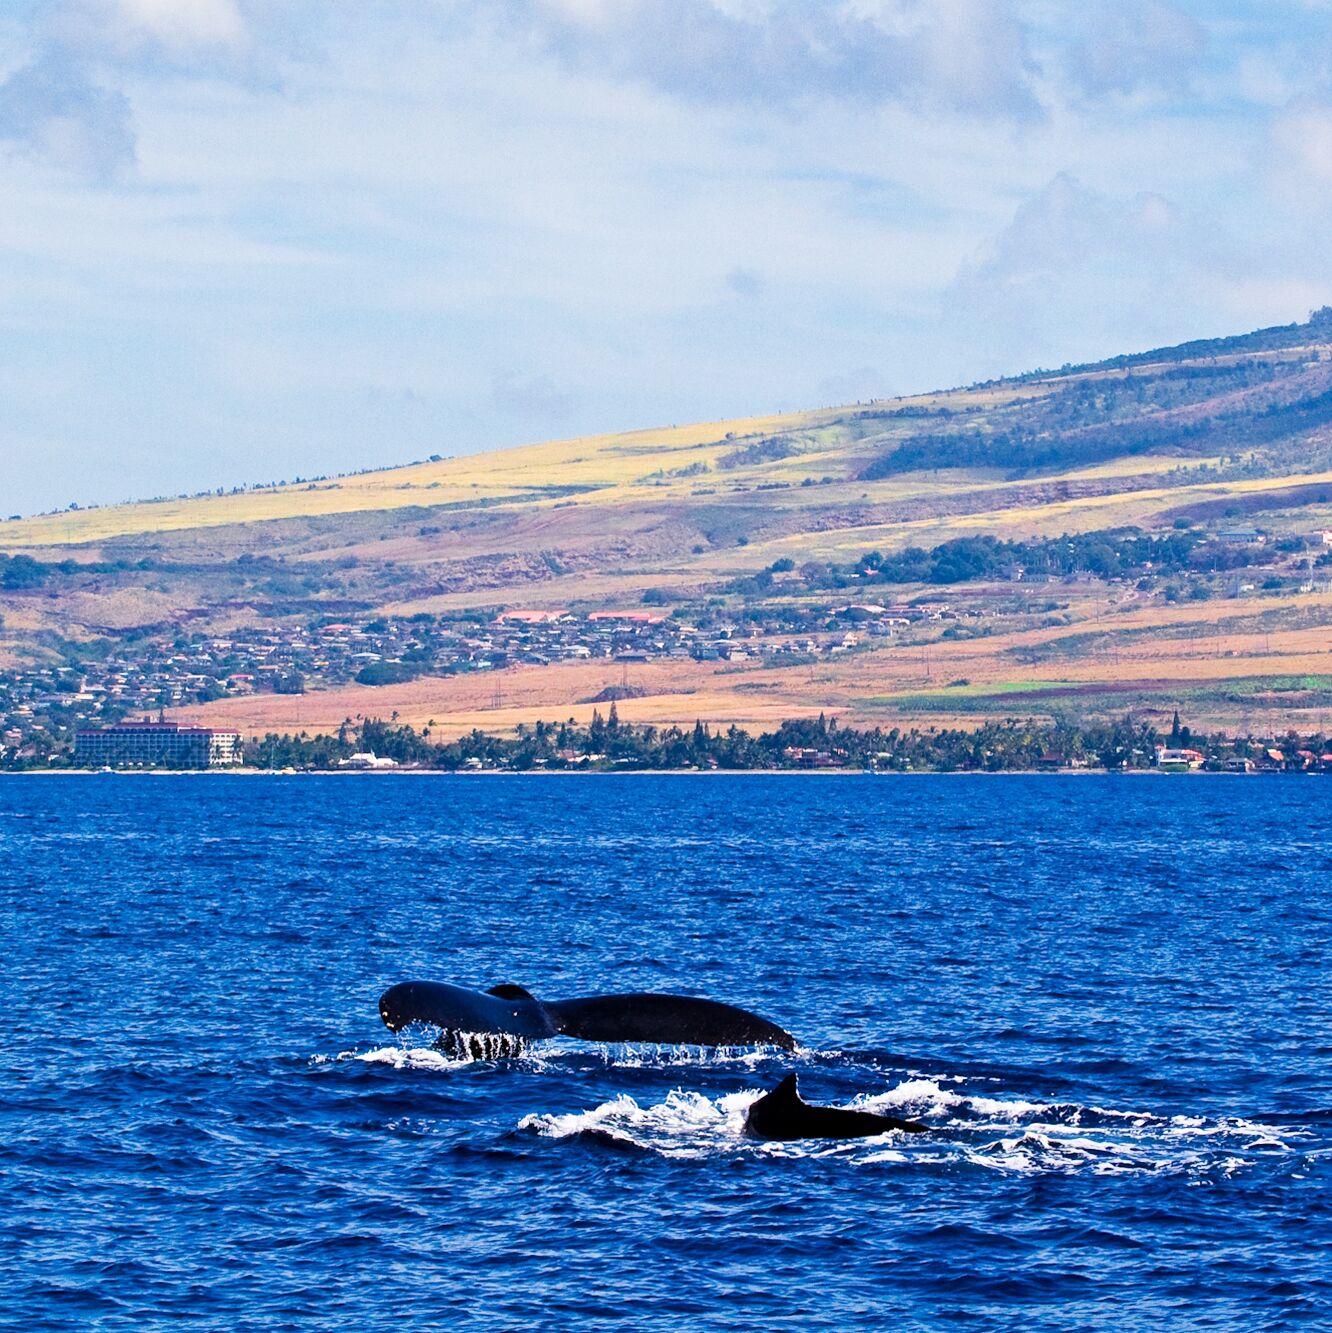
pixel 479 1045
pixel 983 1132
pixel 425 1059
pixel 686 1124
pixel 649 1056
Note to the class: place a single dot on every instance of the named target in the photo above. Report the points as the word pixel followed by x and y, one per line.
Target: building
pixel 160 744
pixel 626 617
pixel 367 759
pixel 531 617
pixel 805 757
pixel 1172 760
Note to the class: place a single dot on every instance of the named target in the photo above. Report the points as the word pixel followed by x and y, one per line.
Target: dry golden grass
pixel 603 461
pixel 498 700
pixel 577 491
pixel 617 468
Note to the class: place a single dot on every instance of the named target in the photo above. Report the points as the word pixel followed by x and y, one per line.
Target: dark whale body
pixel 783 1114
pixel 501 1021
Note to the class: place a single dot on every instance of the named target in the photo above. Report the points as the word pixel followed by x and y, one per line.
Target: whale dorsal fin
pixel 788 1089
pixel 508 991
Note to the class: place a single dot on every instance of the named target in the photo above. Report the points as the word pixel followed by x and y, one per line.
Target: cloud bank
pixel 251 238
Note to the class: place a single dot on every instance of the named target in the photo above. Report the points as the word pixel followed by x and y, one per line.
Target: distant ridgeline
pixel 1213 408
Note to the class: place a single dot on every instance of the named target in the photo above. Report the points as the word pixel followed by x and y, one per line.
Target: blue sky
pixel 242 240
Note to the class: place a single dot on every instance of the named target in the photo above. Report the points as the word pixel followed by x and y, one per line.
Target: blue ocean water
pixel 1110 996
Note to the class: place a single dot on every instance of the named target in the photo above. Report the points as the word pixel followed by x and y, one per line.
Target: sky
pixel 249 240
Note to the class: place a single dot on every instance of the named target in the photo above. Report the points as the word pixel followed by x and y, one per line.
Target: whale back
pixel 667 1020
pixel 784 1115
pixel 777 1113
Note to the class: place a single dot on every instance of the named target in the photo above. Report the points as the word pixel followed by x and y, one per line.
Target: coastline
pixel 633 773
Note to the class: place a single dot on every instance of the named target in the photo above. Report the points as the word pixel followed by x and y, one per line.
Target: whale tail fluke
pixel 508 1010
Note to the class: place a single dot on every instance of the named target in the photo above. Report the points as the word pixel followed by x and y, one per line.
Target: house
pixel 367 760
pixel 631 617
pixel 530 617
pixel 811 758
pixel 1178 760
pixel 1055 759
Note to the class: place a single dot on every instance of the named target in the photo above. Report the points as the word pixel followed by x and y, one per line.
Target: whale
pixel 505 1019
pixel 783 1115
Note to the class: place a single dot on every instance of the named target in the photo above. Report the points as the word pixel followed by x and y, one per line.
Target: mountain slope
pixel 763 523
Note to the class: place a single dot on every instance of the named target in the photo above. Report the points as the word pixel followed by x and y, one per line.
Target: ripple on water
pixel 1108 999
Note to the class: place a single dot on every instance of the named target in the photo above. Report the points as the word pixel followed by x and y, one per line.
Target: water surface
pixel 1109 995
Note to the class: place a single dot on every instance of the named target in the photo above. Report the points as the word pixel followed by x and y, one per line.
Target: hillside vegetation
pixel 782 554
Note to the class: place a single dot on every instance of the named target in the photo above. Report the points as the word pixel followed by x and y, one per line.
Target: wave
pixel 991 1133
pixel 424 1059
pixel 686 1124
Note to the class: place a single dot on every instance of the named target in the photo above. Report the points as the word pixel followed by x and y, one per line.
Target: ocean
pixel 1108 996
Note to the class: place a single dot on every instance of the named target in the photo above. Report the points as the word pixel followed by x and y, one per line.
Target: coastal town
pixel 42 707
pixel 607 743
pixel 783 615
pixel 51 709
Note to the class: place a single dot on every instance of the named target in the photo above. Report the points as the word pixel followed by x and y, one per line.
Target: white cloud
pixel 51 110
pixel 184 23
pixel 177 27
pixel 1077 274
pixel 1064 226
pixel 1135 44
pixel 973 56
pixel 1299 151
pixel 969 55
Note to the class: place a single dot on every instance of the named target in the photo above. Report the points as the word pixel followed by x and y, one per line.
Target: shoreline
pixel 633 773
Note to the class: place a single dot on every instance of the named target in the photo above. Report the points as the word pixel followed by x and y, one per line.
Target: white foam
pixel 990 1133
pixel 424 1058
pixel 926 1096
pixel 686 1124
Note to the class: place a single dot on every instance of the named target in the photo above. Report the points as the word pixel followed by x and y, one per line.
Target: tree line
pixel 1122 552
pixel 1007 745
